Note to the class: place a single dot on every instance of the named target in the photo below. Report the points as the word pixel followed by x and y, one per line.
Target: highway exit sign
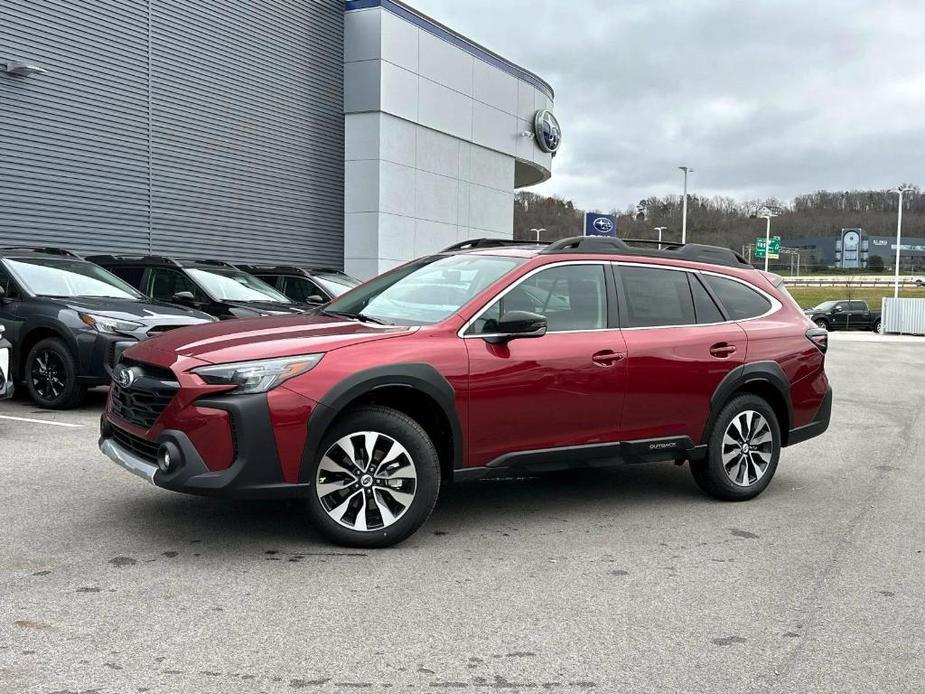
pixel 761 248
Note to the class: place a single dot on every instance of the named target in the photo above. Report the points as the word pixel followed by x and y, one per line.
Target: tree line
pixel 724 221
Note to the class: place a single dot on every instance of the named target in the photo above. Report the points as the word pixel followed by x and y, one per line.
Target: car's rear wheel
pixel 878 326
pixel 375 480
pixel 51 375
pixel 743 450
pixel 820 323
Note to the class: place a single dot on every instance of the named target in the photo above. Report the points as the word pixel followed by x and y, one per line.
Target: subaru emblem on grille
pixel 124 377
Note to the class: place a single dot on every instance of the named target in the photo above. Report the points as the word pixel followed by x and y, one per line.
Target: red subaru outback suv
pixel 486 359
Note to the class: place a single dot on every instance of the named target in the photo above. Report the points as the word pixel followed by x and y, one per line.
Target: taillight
pixel 819 337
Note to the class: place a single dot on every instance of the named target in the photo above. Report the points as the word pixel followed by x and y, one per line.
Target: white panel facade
pixel 432 131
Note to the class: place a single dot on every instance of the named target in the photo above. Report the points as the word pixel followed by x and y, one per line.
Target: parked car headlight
pixel 257 376
pixel 105 324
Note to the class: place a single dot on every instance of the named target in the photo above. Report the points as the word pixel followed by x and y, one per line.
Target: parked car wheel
pixel 822 323
pixel 878 327
pixel 375 480
pixel 743 450
pixel 51 375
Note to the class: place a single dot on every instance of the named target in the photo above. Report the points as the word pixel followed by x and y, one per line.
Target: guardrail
pixel 848 281
pixel 904 316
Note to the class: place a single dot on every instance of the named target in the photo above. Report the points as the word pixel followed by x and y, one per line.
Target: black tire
pixel 51 376
pixel 877 326
pixel 822 323
pixel 422 456
pixel 710 473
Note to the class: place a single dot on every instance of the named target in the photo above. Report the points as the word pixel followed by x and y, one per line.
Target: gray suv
pixel 69 320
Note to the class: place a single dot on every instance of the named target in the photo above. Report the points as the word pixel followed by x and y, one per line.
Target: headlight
pixel 257 376
pixel 104 324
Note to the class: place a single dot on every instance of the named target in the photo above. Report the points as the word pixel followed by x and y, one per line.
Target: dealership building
pixel 354 134
pixel 854 248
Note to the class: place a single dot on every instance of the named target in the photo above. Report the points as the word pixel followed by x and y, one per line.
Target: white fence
pixel 849 281
pixel 903 316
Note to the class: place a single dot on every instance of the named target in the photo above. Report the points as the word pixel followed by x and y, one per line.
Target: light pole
pixel 537 232
pixel 660 230
pixel 768 213
pixel 899 234
pixel 686 170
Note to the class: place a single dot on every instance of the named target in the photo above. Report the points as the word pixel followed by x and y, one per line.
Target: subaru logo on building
pixel 124 377
pixel 547 131
pixel 603 224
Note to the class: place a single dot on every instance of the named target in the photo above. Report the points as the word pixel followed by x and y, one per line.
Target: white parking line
pixel 42 421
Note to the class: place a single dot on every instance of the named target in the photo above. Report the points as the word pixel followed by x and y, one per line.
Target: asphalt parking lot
pixel 628 580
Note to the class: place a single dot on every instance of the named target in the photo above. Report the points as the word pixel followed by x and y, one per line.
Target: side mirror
pixel 838 309
pixel 315 299
pixel 183 298
pixel 516 324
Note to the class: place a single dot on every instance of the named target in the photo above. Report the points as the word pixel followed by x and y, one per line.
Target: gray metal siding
pixel 208 128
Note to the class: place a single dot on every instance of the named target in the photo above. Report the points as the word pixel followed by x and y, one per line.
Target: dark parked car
pixel 306 285
pixel 6 376
pixel 476 363
pixel 844 315
pixel 217 288
pixel 69 321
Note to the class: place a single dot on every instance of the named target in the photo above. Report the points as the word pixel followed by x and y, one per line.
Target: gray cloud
pixel 762 98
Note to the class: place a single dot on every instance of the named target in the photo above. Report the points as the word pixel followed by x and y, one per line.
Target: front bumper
pixel 97 354
pixel 255 471
pixel 6 377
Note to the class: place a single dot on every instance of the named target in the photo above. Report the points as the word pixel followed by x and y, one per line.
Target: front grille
pixel 144 400
pixel 142 448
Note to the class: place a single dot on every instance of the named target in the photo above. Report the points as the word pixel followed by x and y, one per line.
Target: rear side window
pixel 706 309
pixel 739 301
pixel 132 275
pixel 656 297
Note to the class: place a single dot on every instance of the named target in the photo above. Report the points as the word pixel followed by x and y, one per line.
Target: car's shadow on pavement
pixel 479 507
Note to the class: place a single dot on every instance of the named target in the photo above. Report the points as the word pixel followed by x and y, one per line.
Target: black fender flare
pixel 29 326
pixel 421 377
pixel 768 372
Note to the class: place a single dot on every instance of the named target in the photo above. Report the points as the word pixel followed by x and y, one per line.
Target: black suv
pixel 218 288
pixel 307 285
pixel 69 321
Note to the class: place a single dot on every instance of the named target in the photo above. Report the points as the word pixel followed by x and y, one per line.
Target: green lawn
pixel 808 297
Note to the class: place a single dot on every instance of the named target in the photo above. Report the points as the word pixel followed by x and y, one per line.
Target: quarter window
pixel 704 306
pixel 740 301
pixel 571 297
pixel 656 297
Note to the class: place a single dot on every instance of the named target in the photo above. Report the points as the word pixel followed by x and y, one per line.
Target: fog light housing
pixel 168 457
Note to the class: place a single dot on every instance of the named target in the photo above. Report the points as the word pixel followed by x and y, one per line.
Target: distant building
pixel 854 248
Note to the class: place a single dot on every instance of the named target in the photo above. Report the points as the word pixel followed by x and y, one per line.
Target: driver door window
pixel 165 283
pixel 6 282
pixel 571 297
pixel 300 289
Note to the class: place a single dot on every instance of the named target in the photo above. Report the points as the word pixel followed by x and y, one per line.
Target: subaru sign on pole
pixel 597 224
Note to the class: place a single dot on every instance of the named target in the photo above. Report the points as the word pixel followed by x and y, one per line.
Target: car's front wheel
pixel 375 480
pixel 821 323
pixel 51 375
pixel 743 450
pixel 878 327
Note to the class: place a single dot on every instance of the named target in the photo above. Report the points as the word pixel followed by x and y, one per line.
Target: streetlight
pixel 660 230
pixel 537 231
pixel 768 213
pixel 899 234
pixel 686 170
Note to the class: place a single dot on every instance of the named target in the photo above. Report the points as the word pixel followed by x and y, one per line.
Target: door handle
pixel 722 350
pixel 607 357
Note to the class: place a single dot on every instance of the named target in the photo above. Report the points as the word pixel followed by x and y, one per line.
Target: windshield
pixel 426 291
pixel 335 284
pixel 64 277
pixel 224 284
pixel 825 306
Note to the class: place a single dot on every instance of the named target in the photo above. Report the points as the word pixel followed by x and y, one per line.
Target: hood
pixel 266 338
pixel 146 312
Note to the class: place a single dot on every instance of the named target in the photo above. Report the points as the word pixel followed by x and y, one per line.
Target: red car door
pixel 562 389
pixel 679 348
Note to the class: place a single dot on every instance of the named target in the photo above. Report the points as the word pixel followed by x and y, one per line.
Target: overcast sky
pixel 761 97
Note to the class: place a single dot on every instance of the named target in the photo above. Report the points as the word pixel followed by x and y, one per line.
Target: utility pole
pixel 686 170
pixel 660 230
pixel 899 234
pixel 537 232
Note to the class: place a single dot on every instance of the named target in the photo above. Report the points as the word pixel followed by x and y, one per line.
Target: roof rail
pixel 489 243
pixel 48 250
pixel 151 259
pixel 210 261
pixel 254 269
pixel 695 252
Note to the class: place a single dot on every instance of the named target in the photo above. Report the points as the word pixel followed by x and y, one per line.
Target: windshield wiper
pixel 355 316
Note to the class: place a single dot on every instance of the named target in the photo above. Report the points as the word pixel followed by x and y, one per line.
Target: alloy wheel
pixel 748 446
pixel 366 481
pixel 48 374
